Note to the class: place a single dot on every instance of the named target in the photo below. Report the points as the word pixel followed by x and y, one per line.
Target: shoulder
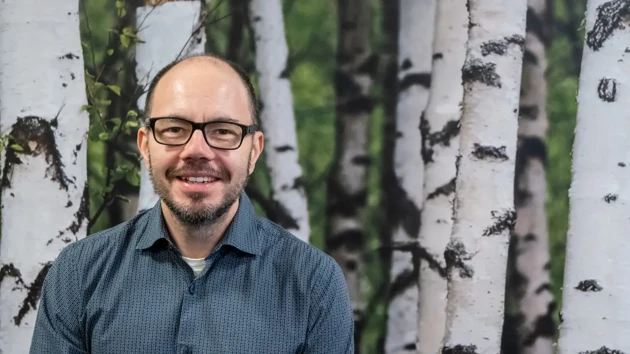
pixel 103 243
pixel 303 259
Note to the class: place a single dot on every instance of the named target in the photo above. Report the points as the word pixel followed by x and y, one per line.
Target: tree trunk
pixel 476 256
pixel 529 281
pixel 440 132
pixel 596 307
pixel 44 173
pixel 277 117
pixel 170 30
pixel 415 47
pixel 346 194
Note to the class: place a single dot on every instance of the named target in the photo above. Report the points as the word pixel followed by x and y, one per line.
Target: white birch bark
pixel 44 186
pixel 277 117
pixel 168 32
pixel 596 306
pixel 441 140
pixel 347 190
pixel 476 256
pixel 532 287
pixel 415 43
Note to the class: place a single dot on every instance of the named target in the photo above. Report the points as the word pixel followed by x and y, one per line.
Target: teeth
pixel 199 179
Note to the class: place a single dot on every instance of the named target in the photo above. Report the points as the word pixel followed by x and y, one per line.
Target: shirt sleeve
pixel 331 320
pixel 58 327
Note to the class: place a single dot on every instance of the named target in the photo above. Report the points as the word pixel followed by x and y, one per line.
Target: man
pixel 199 272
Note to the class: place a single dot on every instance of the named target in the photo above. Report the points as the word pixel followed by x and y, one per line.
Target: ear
pixel 143 144
pixel 258 143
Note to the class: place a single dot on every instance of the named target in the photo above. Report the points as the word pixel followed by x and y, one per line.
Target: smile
pixel 199 179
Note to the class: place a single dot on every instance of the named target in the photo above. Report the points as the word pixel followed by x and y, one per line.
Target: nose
pixel 197 148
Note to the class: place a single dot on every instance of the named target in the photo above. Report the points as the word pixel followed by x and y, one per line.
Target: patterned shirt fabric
pixel 128 290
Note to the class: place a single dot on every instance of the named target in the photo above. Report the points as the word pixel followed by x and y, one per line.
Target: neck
pixel 197 241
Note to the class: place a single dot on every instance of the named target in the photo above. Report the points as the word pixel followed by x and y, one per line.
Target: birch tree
pixel 530 280
pixel 346 194
pixel 441 146
pixel 169 30
pixel 277 117
pixel 484 215
pixel 596 307
pixel 415 43
pixel 44 170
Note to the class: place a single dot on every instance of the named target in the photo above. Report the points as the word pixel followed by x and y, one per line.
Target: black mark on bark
pixel 543 327
pixel 602 350
pixel 621 164
pixel 437 56
pixel 69 56
pixel 543 287
pixel 351 240
pixel 477 70
pixel 610 198
pixel 610 16
pixel 418 254
pixel 530 58
pixel 36 136
pixel 503 222
pixel 607 89
pixel 455 255
pixel 33 294
pixel 9 270
pixel 361 160
pixel 536 25
pixel 445 189
pixel 500 47
pixel 589 285
pixel 460 349
pixel 369 66
pixel 529 112
pixel 405 211
pixel 484 152
pixel 406 64
pixel 409 80
pixel 284 148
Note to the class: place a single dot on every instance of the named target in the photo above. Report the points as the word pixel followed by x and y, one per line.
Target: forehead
pixel 201 90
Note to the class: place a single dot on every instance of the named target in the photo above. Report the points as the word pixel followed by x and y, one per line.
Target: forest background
pixel 108 31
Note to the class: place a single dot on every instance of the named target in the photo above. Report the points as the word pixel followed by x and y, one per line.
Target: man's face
pixel 200 91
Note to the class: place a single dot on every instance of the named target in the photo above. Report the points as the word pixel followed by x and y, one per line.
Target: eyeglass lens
pixel 218 134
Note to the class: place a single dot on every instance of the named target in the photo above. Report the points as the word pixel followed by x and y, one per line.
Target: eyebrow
pixel 215 119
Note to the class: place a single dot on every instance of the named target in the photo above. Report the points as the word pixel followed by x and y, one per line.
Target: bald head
pixel 202 69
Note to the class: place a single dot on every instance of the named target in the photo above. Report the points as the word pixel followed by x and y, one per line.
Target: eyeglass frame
pixel 247 129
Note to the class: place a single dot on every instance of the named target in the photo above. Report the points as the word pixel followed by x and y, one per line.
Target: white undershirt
pixel 197 264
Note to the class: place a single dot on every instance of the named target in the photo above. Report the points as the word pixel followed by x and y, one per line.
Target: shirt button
pixel 191 290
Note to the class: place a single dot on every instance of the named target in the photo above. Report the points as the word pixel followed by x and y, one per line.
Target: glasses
pixel 218 134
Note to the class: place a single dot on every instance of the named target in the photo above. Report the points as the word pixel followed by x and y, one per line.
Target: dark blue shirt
pixel 128 290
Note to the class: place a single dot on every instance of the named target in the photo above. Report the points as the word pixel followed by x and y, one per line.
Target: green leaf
pixel 133 177
pixel 17 147
pixel 86 108
pixel 120 4
pixel 131 124
pixel 114 88
pixel 132 114
pixel 125 41
pixel 116 121
pixel 128 31
pixel 103 136
pixel 110 51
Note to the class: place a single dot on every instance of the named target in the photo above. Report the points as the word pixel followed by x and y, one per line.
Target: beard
pixel 195 213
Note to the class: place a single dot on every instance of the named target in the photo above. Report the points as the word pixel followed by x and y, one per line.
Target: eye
pixel 174 130
pixel 223 131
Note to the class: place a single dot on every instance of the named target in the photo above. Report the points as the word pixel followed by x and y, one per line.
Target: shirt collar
pixel 242 233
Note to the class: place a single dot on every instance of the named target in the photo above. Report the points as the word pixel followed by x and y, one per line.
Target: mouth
pixel 198 180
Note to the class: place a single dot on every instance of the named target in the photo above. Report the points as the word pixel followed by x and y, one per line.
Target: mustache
pixel 188 168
